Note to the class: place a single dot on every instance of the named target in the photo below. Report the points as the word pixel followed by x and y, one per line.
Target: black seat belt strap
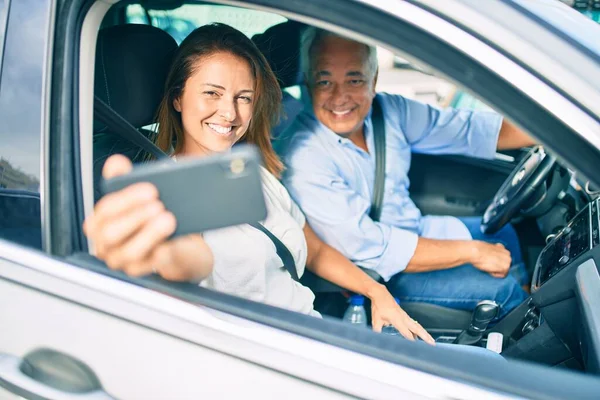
pixel 122 127
pixel 282 251
pixel 379 139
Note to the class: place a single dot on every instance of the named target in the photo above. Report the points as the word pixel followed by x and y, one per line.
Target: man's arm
pixel 328 263
pixel 511 137
pixel 455 131
pixel 435 255
pixel 385 249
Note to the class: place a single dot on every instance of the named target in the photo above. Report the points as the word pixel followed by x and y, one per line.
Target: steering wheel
pixel 520 185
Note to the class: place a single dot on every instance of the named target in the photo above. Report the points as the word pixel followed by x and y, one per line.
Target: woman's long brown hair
pixel 205 41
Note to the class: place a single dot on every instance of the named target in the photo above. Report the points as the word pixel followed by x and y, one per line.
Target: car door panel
pixel 455 185
pixel 134 361
pixel 144 344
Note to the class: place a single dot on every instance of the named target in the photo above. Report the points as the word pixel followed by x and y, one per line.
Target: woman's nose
pixel 227 111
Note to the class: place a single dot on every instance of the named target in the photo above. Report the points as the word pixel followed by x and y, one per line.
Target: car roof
pixel 535 41
pixel 564 21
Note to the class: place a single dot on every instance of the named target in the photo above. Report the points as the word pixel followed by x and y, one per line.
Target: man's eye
pixel 323 83
pixel 357 82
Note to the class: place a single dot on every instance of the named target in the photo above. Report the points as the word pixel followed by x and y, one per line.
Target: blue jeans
pixel 464 286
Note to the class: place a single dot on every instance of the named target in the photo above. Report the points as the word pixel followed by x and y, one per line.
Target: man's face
pixel 341 86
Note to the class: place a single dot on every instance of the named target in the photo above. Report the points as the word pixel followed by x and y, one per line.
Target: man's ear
pixel 375 81
pixel 177 105
pixel 305 82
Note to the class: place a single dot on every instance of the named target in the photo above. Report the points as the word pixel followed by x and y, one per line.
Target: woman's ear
pixel 177 105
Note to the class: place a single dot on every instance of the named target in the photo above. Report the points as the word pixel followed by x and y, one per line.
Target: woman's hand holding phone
pixel 130 229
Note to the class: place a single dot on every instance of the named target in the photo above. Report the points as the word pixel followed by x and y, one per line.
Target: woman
pixel 221 90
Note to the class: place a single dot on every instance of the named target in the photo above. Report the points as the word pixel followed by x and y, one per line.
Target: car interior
pixel 556 218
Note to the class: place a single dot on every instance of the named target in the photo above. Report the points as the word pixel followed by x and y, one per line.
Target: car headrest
pixel 132 63
pixel 281 46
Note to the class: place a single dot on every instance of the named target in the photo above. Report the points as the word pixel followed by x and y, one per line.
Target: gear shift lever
pixel 483 314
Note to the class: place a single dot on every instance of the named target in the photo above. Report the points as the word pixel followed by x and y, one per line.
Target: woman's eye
pixel 211 93
pixel 245 99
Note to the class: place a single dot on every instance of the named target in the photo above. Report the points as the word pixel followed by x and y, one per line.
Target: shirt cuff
pixel 400 250
pixel 484 134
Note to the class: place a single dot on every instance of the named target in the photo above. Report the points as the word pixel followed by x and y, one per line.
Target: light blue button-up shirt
pixel 332 179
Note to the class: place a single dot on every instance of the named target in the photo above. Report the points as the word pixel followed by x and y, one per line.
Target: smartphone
pixel 207 192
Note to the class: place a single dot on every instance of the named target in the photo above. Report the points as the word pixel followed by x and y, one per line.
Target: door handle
pixel 46 374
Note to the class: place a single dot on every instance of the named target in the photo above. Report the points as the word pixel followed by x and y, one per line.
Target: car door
pixel 69 328
pixel 457 185
pixel 138 343
pixel 102 332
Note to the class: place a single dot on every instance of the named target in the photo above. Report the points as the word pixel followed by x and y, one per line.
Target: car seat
pixel 279 44
pixel 132 63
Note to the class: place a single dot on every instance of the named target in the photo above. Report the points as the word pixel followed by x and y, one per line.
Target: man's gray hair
pixel 313 36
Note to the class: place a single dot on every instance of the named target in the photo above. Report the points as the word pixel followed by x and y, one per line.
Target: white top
pixel 246 261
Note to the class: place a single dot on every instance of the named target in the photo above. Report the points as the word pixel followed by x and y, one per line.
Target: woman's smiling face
pixel 216 104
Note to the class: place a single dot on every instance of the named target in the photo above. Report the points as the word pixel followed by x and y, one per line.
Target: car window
pixel 181 21
pixel 20 216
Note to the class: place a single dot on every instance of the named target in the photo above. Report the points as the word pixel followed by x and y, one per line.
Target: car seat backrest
pixel 132 63
pixel 280 45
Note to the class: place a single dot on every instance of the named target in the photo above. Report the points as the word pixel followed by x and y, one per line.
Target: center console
pixel 579 236
pixel 547 328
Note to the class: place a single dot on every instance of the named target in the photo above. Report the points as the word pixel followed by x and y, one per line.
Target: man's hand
pixel 385 311
pixel 491 258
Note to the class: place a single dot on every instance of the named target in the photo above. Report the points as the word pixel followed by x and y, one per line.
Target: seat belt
pixel 121 126
pixel 379 139
pixel 282 251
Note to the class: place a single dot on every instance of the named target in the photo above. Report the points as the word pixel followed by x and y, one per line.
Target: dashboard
pixel 578 237
pixel 560 323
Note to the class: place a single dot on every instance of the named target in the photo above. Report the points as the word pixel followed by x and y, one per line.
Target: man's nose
pixel 339 96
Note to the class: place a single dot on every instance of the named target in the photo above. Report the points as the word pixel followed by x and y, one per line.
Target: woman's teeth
pixel 220 129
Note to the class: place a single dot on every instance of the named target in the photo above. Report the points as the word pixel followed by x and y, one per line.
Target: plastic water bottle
pixel 389 329
pixel 356 314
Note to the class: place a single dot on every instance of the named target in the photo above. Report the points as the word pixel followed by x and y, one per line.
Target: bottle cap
pixel 357 300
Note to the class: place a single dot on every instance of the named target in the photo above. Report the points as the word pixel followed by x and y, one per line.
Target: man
pixel 329 154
